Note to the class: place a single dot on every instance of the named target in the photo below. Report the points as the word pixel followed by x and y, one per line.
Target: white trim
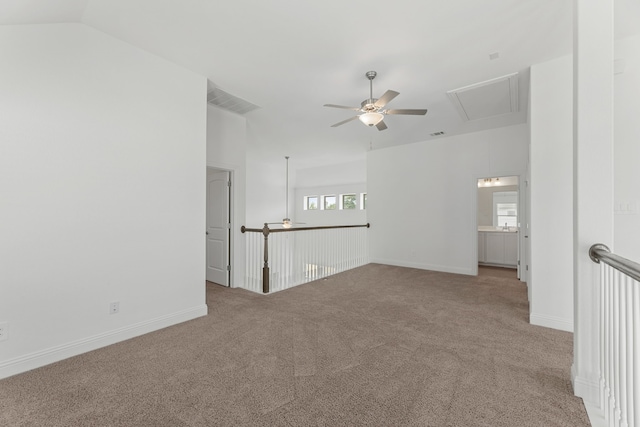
pixel 514 105
pixel 223 166
pixel 421 266
pixel 589 391
pixel 54 354
pixel 596 416
pixel 552 322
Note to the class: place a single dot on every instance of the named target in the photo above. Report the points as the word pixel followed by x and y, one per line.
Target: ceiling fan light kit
pixel 370 119
pixel 372 108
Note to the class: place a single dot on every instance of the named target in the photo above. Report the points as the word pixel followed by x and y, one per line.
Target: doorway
pixel 218 227
pixel 498 222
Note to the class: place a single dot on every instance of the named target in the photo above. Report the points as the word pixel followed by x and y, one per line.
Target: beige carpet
pixel 374 346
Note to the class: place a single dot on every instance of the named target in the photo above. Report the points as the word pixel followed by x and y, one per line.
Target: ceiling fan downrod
pixel 370 75
pixel 286 222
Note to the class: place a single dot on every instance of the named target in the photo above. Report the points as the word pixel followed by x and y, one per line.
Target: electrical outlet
pixel 114 307
pixel 4 331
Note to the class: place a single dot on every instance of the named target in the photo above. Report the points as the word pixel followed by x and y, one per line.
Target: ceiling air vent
pixel 225 100
pixel 487 99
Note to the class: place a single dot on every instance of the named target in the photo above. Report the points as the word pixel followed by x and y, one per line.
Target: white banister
pixel 619 338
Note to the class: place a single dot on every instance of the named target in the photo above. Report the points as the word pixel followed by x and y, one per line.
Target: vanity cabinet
pixel 498 248
pixel 481 246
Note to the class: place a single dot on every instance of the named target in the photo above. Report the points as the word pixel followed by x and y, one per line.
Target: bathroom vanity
pixel 498 246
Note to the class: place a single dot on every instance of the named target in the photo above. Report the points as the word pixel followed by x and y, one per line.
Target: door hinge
pixel 228 268
pixel 228 183
pixel 527 268
pixel 229 225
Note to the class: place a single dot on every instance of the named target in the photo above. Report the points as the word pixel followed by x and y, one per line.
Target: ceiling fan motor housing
pixel 368 105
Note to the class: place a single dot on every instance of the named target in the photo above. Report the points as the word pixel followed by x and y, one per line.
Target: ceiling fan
pixel 286 222
pixel 372 108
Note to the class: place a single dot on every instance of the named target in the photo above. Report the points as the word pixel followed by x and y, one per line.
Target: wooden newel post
pixel 265 268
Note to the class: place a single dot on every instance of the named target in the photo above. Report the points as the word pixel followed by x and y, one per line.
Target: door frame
pixel 523 214
pixel 231 247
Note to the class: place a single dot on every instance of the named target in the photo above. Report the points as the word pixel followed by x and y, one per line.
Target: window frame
pixel 505 198
pixel 324 202
pixel 306 206
pixel 355 201
pixel 363 201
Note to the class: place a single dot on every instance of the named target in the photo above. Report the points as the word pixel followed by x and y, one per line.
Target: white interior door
pixel 218 227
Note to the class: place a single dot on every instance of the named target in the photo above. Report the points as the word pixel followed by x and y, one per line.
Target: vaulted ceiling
pixel 290 57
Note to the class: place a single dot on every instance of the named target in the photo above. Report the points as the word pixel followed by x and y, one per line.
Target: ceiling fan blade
pixel 414 112
pixel 386 98
pixel 381 125
pixel 342 106
pixel 344 121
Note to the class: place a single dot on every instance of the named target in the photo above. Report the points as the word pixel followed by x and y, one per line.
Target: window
pixel 348 201
pixel 507 214
pixel 330 203
pixel 505 208
pixel 311 203
pixel 333 202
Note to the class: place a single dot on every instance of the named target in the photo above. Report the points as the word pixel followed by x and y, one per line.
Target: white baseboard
pixel 422 266
pixel 54 354
pixel 551 322
pixel 589 391
pixel 596 417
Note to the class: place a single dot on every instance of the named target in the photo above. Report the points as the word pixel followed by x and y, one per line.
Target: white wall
pixel 266 189
pixel 422 197
pixel 551 191
pixel 354 172
pixel 627 150
pixel 593 186
pixel 226 149
pixel 102 166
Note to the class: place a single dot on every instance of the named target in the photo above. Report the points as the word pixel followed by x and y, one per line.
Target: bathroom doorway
pixel 498 222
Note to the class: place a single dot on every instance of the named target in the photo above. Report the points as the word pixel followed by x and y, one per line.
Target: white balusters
pixel 634 349
pixel 619 348
pixel 300 256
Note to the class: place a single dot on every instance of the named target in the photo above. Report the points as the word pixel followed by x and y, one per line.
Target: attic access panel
pixel 487 99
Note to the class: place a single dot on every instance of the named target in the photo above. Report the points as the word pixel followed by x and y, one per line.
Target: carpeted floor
pixel 374 346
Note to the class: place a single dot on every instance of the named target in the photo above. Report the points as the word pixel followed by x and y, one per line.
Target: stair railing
pixel 292 256
pixel 619 331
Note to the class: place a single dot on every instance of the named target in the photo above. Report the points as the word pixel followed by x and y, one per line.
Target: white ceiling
pixel 291 56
